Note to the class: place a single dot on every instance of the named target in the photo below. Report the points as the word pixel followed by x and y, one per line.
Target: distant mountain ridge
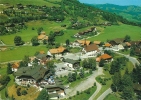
pixel 132 13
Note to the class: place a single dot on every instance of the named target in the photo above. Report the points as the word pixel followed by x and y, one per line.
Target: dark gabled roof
pixel 118 40
pixel 36 72
pixel 71 61
pixel 41 56
pixel 91 47
pixel 135 42
pixel 54 86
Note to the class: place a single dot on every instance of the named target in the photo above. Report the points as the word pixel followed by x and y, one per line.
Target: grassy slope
pixel 115 31
pixel 108 83
pixel 35 2
pixel 112 97
pixel 18 53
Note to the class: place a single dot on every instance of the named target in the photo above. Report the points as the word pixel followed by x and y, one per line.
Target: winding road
pixel 89 82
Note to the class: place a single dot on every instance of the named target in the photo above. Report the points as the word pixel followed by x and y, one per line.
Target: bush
pixel 94 83
pixel 77 93
pixel 24 92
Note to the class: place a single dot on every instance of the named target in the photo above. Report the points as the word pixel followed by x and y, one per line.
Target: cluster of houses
pixel 39 74
pixel 79 34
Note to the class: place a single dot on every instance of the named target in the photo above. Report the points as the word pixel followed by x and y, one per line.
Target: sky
pixel 117 2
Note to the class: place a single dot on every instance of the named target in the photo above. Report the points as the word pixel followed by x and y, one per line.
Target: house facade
pixel 91 50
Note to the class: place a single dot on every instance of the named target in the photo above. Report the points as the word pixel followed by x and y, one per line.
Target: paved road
pixel 89 82
pixel 132 59
pixel 101 97
pixel 97 90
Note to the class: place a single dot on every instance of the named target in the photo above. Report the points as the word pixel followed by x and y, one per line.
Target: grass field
pixel 36 2
pixel 119 31
pixel 18 53
pixel 112 97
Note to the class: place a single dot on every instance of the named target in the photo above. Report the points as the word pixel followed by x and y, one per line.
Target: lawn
pixel 83 95
pixel 32 92
pixel 112 97
pixel 27 34
pixel 18 53
pixel 119 31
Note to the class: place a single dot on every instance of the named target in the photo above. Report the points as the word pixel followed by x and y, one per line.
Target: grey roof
pixel 71 61
pixel 54 86
pixel 36 72
pixel 71 56
pixel 41 56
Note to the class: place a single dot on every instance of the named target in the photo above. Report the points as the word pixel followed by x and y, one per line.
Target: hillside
pixel 19 12
pixel 132 13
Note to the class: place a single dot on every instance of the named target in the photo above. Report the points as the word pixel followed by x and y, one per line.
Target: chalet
pixel 30 75
pixel 42 37
pixel 107 45
pixel 137 51
pixel 105 57
pixel 15 66
pixel 127 44
pixel 55 91
pixel 81 42
pixel 72 63
pixel 116 41
pixel 56 51
pixel 97 42
pixel 118 47
pixel 42 57
pixel 91 50
pixel 136 43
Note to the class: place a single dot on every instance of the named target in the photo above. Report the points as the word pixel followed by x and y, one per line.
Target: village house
pixel 73 64
pixel 107 45
pixel 55 91
pixel 15 66
pixel 116 41
pixel 105 57
pixel 91 50
pixel 42 37
pixel 97 42
pixel 30 75
pixel 56 52
pixel 42 57
pixel 136 43
pixel 81 42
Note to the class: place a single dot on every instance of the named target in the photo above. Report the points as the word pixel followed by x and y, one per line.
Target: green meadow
pixel 18 53
pixel 119 31
pixel 35 2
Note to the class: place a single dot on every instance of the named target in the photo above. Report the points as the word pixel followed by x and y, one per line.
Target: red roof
pixel 104 56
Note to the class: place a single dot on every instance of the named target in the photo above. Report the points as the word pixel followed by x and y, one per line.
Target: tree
pixel 101 63
pixel 18 41
pixel 70 78
pixel 43 95
pixel 51 38
pixel 34 41
pixel 24 92
pixel 39 30
pixel 6 93
pixel 9 69
pixel 67 42
pixel 117 80
pixel 127 38
pixel 128 93
pixel 81 73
